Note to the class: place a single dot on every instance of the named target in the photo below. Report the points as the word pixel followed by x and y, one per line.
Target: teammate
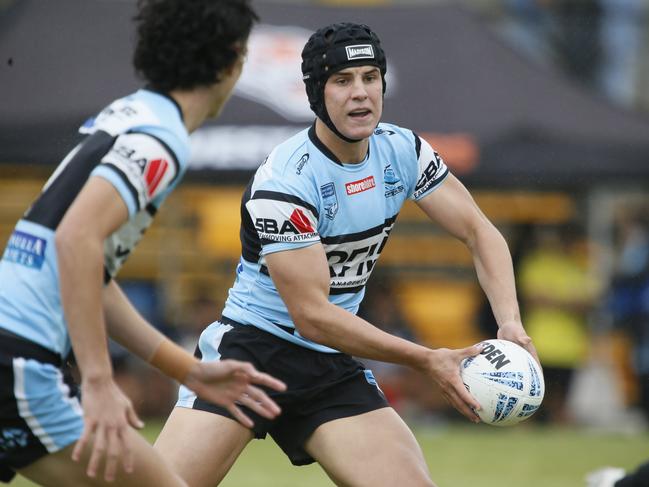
pixel 57 287
pixel 315 218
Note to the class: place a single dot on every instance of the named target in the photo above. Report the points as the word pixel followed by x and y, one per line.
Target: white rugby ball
pixel 505 380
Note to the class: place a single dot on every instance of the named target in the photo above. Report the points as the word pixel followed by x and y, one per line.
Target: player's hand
pixel 107 415
pixel 230 383
pixel 444 368
pixel 514 332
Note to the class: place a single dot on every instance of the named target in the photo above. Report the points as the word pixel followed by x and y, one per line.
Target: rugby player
pixel 315 218
pixel 57 286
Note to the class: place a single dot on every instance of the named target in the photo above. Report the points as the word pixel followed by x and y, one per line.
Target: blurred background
pixel 539 106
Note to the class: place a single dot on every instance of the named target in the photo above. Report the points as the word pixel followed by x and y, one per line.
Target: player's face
pixel 354 100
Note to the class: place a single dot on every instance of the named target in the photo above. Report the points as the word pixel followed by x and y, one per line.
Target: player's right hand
pixel 107 415
pixel 230 383
pixel 444 368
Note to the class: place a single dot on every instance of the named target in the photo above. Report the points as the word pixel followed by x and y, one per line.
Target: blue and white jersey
pixel 141 146
pixel 302 195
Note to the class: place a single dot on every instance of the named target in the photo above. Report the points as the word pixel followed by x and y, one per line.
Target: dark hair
pixel 183 44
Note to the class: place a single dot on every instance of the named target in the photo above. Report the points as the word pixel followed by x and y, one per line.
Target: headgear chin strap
pixel 331 49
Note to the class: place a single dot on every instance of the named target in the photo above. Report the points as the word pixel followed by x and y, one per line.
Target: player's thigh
pixel 201 446
pixel 372 449
pixel 59 469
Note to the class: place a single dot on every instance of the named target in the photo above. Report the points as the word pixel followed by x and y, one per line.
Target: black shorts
pixel 39 407
pixel 321 387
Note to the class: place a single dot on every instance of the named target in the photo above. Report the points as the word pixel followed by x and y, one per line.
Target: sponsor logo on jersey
pixel 300 164
pixel 25 249
pixel 359 51
pixel 301 222
pixel 130 154
pixel 380 131
pixel 329 200
pixel 297 228
pixel 361 185
pixel 352 262
pixel 118 110
pixel 429 177
pixel 391 182
pixel 154 173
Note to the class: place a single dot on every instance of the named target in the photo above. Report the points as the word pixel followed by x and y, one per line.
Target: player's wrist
pixel 96 377
pixel 422 358
pixel 173 361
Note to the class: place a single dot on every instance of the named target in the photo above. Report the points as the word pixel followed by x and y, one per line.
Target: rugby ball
pixel 506 381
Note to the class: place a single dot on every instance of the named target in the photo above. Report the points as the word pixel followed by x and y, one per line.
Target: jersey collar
pixel 325 150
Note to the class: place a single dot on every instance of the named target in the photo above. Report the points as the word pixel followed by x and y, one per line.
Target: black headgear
pixel 331 49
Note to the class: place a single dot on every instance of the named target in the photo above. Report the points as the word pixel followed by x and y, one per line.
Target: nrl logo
pixel 360 51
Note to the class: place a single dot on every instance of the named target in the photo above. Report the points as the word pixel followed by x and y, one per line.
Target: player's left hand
pixel 514 332
pixel 230 383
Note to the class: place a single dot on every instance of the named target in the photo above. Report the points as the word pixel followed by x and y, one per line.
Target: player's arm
pixel 96 212
pixel 224 382
pixel 453 208
pixel 302 279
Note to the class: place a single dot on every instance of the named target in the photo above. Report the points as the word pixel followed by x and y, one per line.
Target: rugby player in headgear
pixel 314 221
pixel 332 49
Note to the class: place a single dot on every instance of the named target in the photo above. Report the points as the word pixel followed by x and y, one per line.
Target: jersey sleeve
pixel 431 169
pixel 284 214
pixel 140 167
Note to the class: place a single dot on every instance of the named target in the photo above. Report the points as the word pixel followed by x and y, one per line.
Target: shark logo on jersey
pixel 392 186
pixel 329 200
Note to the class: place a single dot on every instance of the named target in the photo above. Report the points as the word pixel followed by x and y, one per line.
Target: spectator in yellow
pixel 557 293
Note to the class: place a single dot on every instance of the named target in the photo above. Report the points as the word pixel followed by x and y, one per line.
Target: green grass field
pixel 464 456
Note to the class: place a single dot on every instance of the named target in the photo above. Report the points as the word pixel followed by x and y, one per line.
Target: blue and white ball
pixel 505 380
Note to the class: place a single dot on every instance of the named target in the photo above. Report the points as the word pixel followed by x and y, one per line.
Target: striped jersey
pixel 303 195
pixel 139 144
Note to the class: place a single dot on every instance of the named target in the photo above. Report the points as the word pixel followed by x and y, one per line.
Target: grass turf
pixel 463 455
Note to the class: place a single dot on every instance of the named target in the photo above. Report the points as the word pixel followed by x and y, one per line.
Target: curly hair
pixel 184 44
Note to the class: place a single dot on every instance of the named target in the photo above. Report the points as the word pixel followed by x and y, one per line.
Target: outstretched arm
pixel 226 382
pixel 302 279
pixel 452 207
